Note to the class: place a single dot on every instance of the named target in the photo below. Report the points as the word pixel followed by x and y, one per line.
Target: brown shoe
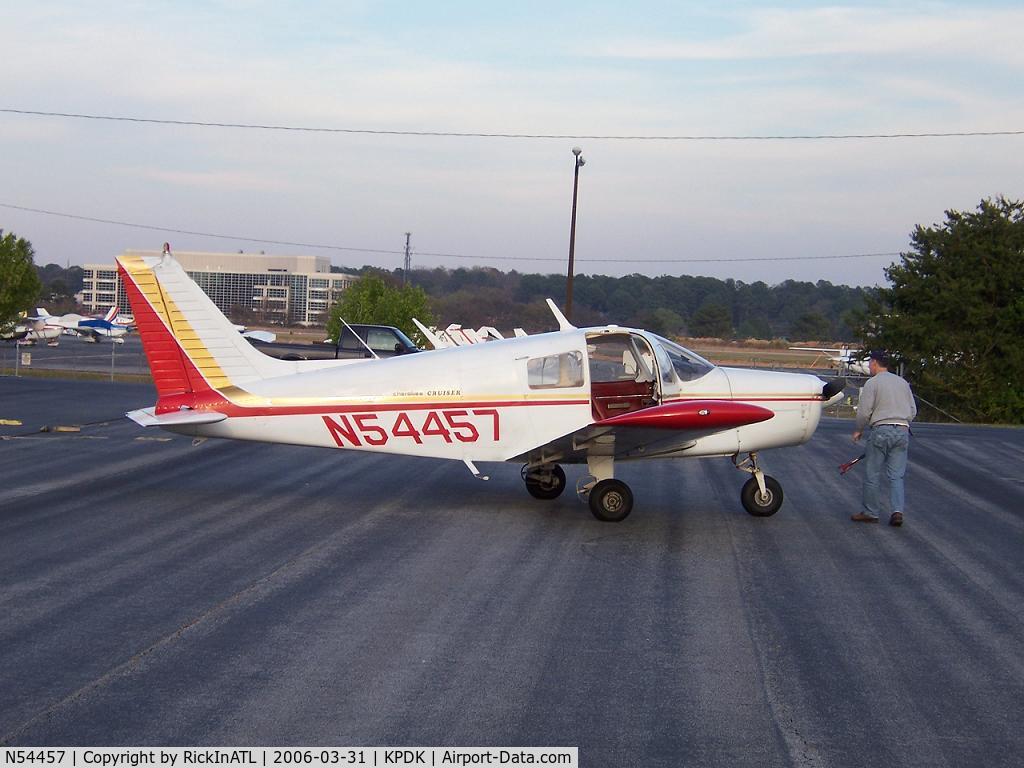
pixel 860 517
pixel 896 519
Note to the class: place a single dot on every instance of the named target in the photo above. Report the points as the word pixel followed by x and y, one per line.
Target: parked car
pixel 384 340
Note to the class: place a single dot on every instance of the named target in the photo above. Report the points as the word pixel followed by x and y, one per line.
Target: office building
pixel 271 289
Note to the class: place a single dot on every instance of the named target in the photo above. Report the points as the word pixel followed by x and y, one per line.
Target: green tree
pixel 662 321
pixel 373 300
pixel 19 284
pixel 954 312
pixel 712 320
pixel 811 326
pixel 754 328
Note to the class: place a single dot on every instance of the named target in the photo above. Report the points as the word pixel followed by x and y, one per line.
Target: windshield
pixel 406 341
pixel 687 365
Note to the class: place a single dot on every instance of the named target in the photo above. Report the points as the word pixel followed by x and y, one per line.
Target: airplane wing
pixel 819 349
pixel 88 333
pixel 15 333
pixel 657 431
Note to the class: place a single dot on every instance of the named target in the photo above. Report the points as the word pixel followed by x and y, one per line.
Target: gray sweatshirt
pixel 885 399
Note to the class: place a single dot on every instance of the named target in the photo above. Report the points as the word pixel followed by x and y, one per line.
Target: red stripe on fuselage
pixel 214 401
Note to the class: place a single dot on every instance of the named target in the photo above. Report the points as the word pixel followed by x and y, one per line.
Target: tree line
pixel 952 313
pixel 669 305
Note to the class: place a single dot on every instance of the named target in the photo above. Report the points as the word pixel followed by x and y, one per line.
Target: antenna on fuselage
pixel 563 323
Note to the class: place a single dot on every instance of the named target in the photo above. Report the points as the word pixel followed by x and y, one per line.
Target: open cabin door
pixel 623 374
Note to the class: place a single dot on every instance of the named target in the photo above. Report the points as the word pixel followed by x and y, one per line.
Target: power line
pixel 325 246
pixel 484 135
pixel 172 230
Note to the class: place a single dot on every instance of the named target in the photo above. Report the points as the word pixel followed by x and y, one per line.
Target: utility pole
pixel 572 231
pixel 408 261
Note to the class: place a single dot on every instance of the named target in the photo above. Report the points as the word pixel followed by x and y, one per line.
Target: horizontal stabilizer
pixel 146 417
pixel 689 415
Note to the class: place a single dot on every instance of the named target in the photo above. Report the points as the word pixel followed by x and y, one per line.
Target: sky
pixel 575 69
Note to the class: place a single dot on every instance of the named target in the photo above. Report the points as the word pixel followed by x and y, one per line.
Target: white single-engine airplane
pixel 845 359
pixel 591 396
pixel 29 330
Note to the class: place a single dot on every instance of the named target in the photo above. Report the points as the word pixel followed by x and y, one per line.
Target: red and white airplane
pixel 593 396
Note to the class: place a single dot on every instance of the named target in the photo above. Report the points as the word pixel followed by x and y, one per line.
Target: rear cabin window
pixel 563 370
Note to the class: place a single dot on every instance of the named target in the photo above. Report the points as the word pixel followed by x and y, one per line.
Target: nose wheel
pixel 758 503
pixel 761 495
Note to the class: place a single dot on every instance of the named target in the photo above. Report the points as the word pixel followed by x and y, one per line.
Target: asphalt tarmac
pixel 158 593
pixel 73 353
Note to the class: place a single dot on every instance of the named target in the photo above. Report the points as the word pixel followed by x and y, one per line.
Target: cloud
pixel 771 73
pixel 225 181
pixel 835 31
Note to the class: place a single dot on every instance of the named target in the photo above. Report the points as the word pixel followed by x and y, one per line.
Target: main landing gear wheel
pixel 611 501
pixel 758 504
pixel 545 484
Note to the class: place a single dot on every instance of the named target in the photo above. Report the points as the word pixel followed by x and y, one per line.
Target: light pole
pixel 572 230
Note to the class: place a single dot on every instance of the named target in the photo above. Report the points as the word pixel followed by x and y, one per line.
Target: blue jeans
pixel 886 447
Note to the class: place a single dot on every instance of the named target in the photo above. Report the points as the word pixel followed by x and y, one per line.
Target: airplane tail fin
pixel 191 347
pixel 42 312
pixel 435 341
pixel 111 314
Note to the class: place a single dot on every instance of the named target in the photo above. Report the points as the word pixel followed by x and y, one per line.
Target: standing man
pixel 887 405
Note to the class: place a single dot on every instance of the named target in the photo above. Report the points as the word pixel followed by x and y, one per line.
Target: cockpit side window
pixel 686 365
pixel 552 371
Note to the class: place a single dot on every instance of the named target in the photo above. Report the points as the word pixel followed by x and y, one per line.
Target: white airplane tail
pixel 191 347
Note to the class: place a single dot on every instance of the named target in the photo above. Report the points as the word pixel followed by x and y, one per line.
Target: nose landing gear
pixel 761 495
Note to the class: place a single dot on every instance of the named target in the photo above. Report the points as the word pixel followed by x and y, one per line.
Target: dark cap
pixel 880 356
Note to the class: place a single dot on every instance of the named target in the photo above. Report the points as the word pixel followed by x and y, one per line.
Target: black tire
pixel 611 501
pixel 552 491
pixel 761 507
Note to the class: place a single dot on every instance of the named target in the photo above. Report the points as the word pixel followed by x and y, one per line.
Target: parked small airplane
pixel 593 396
pixel 90 329
pixel 845 359
pixel 29 330
pixel 94 329
pixel 457 336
